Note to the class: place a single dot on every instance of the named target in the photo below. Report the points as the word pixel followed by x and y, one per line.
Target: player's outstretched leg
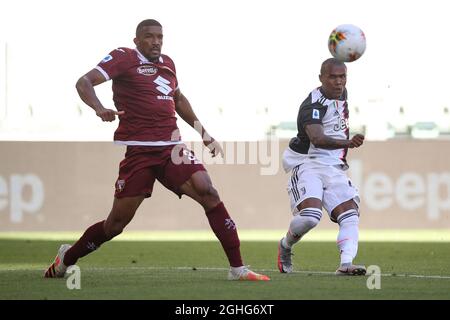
pixel 347 242
pixel 68 255
pixel 225 230
pixel 300 224
pixel 121 214
pixel 199 187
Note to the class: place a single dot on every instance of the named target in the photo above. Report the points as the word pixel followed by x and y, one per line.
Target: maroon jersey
pixel 145 91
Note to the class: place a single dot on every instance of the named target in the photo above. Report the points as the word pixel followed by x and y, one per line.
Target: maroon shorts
pixel 172 165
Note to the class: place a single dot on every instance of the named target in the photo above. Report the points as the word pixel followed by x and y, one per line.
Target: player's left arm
pixel 185 111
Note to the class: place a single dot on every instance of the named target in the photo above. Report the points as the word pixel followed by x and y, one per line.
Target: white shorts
pixel 329 184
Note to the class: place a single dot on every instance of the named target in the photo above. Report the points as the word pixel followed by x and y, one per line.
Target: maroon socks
pixel 219 220
pixel 91 240
pixel 226 232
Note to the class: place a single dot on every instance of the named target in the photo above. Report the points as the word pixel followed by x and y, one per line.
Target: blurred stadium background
pixel 245 79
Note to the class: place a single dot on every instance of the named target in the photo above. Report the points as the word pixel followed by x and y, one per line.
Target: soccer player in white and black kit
pixel 316 158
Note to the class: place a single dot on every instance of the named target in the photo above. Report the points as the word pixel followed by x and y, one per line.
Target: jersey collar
pixel 144 59
pixel 343 96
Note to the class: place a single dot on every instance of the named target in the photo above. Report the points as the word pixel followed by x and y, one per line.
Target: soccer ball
pixel 347 43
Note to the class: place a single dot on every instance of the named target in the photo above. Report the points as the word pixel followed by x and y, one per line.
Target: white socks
pixel 307 219
pixel 347 239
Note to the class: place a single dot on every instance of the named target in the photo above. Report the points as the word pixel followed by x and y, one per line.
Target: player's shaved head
pixel 147 23
pixel 331 62
pixel 333 76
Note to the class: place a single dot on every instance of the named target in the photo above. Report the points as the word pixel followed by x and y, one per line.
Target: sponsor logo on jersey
pixel 163 85
pixel 341 125
pixel 107 58
pixel 147 70
pixel 165 98
pixel 315 114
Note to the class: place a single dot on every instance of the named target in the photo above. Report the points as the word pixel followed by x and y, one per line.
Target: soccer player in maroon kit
pixel 147 96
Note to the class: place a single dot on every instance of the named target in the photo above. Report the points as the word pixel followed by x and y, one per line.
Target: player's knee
pixel 201 183
pixel 213 194
pixel 312 222
pixel 308 218
pixel 205 188
pixel 202 188
pixel 210 199
pixel 348 218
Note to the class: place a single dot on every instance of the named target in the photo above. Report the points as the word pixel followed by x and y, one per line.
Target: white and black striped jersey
pixel 333 116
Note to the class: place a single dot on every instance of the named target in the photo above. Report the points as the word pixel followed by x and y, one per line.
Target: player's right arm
pixel 321 140
pixel 85 87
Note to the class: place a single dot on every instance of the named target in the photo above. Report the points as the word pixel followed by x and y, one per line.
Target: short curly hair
pixel 331 61
pixel 147 23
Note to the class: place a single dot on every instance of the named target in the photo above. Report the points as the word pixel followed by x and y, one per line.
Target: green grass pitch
pixel 179 270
